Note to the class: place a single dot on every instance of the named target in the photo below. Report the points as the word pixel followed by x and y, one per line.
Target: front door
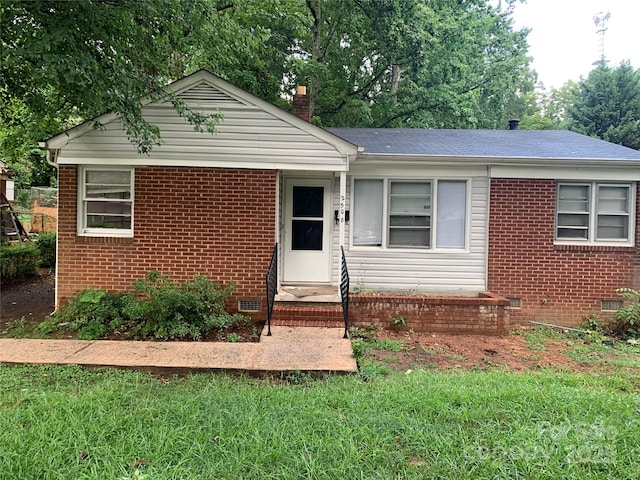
pixel 307 230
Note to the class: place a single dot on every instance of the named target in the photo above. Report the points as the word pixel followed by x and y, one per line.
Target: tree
pixel 412 63
pixel 384 63
pixel 607 105
pixel 65 62
pixel 550 111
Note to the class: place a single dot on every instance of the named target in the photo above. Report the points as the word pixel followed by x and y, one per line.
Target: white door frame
pixel 307 266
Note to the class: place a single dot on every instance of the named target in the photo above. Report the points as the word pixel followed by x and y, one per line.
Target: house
pixel 446 230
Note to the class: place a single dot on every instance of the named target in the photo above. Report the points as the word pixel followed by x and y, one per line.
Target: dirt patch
pixel 450 352
pixel 32 298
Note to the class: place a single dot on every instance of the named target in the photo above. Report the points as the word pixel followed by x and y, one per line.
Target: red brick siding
pixel 557 283
pixel 210 221
pixel 487 314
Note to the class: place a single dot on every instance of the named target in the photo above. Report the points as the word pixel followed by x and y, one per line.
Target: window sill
pixel 563 247
pixel 401 250
pixel 104 240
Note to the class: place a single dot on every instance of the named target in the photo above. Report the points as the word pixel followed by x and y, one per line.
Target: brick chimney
pixel 301 107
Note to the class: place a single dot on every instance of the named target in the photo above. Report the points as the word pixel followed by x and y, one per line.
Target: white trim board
pixel 610 173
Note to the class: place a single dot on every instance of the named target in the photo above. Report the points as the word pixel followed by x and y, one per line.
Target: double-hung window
pixel 399 213
pixel 594 213
pixel 106 201
pixel 409 214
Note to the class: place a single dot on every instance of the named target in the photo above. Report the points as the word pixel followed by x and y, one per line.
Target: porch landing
pixel 308 293
pixel 305 349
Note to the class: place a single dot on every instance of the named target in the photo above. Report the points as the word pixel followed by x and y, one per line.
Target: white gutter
pixel 56 152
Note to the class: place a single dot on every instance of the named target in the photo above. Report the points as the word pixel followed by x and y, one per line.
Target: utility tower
pixel 600 19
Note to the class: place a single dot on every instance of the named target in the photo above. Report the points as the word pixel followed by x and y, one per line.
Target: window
pixel 594 213
pixel 392 213
pixel 106 202
pixel 368 202
pixel 409 214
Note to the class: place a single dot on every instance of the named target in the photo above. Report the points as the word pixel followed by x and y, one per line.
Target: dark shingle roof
pixel 531 144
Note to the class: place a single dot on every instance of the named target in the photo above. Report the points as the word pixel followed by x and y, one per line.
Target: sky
pixel 564 42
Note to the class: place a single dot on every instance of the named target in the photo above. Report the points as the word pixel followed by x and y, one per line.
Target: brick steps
pixel 307 314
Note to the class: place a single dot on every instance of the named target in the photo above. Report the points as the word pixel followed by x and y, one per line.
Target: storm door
pixel 307 231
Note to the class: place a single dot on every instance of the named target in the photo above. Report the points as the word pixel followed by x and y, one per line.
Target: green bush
pixel 166 309
pixel 156 307
pixel 46 243
pixel 20 260
pixel 627 318
pixel 93 313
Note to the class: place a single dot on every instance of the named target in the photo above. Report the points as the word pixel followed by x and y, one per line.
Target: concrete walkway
pixel 307 349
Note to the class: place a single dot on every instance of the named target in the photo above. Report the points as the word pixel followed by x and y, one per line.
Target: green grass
pixel 590 348
pixel 66 422
pixel 537 337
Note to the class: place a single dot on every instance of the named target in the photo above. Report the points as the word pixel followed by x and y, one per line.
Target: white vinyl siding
pixel 105 206
pixel 442 269
pixel 247 136
pixel 594 213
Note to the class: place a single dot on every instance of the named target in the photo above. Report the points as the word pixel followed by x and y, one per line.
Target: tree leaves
pixel 607 105
pixel 415 63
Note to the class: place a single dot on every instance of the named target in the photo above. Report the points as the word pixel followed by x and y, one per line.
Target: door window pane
pixel 306 234
pixel 368 197
pixel 308 201
pixel 451 214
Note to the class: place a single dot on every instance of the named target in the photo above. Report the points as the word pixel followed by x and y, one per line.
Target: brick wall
pixel 487 314
pixel 557 283
pixel 210 221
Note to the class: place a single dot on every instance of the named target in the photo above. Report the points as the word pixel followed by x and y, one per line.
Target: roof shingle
pixel 530 144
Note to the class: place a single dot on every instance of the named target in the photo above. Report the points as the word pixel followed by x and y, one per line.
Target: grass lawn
pixel 71 423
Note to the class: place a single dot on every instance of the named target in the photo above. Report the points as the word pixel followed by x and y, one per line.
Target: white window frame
pixel 592 214
pixel 386 181
pixel 83 230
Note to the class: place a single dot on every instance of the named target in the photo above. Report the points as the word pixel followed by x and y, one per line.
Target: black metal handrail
pixel 271 279
pixel 344 292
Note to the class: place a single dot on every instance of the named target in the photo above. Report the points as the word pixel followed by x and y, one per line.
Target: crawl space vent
pixel 610 305
pixel 249 306
pixel 515 302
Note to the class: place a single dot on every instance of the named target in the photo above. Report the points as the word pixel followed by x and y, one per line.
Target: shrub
pixel 20 260
pixel 23 199
pixel 627 318
pixel 46 243
pixel 156 307
pixel 164 309
pixel 93 313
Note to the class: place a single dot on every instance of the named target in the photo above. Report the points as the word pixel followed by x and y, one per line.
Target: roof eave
pixel 414 159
